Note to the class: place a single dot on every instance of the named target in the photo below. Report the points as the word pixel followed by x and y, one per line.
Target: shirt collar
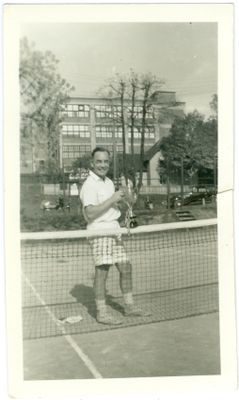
pixel 96 177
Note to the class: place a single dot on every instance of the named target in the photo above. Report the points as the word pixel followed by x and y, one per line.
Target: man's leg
pixel 101 273
pixel 125 271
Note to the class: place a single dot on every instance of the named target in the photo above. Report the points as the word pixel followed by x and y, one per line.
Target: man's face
pixel 100 163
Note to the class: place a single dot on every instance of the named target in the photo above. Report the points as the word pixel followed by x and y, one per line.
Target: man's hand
pixel 92 212
pixel 117 196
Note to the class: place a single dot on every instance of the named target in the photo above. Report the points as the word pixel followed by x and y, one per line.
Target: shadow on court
pixel 182 347
pixel 85 296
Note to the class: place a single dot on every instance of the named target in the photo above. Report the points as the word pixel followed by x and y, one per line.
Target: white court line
pixel 86 360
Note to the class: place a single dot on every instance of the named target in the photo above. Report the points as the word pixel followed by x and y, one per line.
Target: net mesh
pixel 174 274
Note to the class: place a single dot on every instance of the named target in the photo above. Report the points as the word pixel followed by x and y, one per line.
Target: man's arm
pixel 93 212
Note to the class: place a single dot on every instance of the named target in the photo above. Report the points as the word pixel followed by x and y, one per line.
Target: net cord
pixel 140 229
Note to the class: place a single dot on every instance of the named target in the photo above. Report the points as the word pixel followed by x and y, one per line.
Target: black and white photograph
pixel 124 197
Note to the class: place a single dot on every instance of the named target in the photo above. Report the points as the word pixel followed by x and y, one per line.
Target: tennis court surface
pixel 175 278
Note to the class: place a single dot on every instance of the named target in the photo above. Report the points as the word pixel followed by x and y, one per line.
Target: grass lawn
pixel 34 219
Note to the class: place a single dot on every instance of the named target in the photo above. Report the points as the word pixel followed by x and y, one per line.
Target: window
pixel 138 112
pixel 75 110
pixel 149 113
pixel 149 133
pixel 137 134
pixel 118 131
pixel 75 151
pixel 76 130
pixel 107 111
pixel 103 111
pixel 119 148
pixel 109 147
pixel 117 110
pixel 104 132
pixel 83 111
pixel 72 107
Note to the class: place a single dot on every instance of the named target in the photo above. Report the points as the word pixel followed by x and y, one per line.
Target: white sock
pixel 128 298
pixel 100 305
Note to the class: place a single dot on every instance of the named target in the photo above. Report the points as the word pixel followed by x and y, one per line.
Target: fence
pixel 56 189
pixel 162 189
pixel 73 189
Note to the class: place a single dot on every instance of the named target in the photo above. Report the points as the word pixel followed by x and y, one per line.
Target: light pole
pixel 215 172
pixel 63 182
pixel 115 178
pixel 182 181
pixel 114 156
pixel 168 183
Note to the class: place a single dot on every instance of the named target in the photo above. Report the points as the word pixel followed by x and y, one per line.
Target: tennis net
pixel 175 275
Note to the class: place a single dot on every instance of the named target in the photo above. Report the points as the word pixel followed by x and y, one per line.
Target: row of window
pixel 105 111
pixel 75 151
pixel 83 148
pixel 101 111
pixel 75 110
pixel 138 112
pixel 76 130
pixel 104 131
pixel 72 152
pixel 149 133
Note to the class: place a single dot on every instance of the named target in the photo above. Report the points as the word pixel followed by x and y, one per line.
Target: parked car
pixel 74 177
pixel 194 197
pixel 46 205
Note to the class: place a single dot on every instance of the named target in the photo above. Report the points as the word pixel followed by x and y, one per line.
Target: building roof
pixel 129 159
pixel 159 97
pixel 152 151
pixel 147 155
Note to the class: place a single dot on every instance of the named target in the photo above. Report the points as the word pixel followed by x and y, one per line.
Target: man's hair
pixel 101 149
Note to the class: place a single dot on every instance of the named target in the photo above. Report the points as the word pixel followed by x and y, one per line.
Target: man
pixel 100 210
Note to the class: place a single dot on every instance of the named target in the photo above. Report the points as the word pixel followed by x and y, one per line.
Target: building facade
pixel 88 122
pixel 91 122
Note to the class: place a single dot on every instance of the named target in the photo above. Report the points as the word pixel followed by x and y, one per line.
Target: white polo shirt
pixel 95 191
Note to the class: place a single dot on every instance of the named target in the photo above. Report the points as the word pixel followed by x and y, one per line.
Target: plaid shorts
pixel 108 250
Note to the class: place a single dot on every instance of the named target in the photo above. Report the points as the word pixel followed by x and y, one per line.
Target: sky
pixel 184 55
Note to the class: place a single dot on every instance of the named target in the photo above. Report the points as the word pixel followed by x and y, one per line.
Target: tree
pixel 115 90
pixel 83 162
pixel 214 106
pixel 192 141
pixel 134 87
pixel 128 91
pixel 213 120
pixel 43 92
pixel 148 85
